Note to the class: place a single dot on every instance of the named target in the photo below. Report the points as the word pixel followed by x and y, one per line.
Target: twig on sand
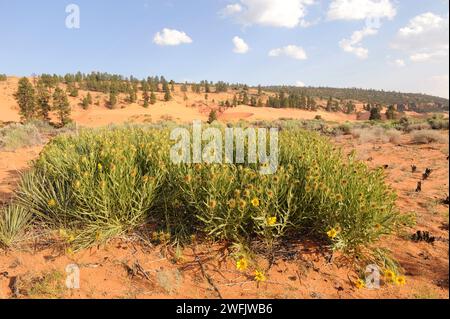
pixel 205 274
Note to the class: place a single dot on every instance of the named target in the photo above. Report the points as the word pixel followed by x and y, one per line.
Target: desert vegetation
pixel 100 184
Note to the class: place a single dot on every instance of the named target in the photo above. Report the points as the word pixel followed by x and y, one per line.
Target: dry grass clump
pixel 15 136
pixel 428 136
pixel 377 134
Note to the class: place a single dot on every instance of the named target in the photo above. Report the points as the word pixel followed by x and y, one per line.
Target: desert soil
pixel 131 268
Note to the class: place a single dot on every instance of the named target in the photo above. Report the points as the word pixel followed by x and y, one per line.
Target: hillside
pixel 408 101
pixel 180 109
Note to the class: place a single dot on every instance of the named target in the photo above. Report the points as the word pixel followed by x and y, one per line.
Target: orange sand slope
pixel 178 110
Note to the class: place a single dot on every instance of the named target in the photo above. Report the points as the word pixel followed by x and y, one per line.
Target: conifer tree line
pixel 36 102
pixel 337 100
pixel 403 101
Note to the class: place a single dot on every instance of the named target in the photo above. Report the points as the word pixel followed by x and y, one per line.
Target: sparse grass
pixel 425 293
pixel 48 285
pixel 15 136
pixel 376 134
pixel 103 183
pixel 427 137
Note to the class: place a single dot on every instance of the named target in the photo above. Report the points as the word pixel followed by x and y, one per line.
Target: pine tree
pixel 235 101
pixel 152 98
pixel 350 107
pixel 85 103
pixel 61 105
pixel 167 95
pixel 212 116
pixel 391 113
pixel 330 104
pixel 375 114
pixel 25 97
pixel 245 99
pixel 72 89
pixel 89 98
pixel 43 102
pixel 146 98
pixel 112 100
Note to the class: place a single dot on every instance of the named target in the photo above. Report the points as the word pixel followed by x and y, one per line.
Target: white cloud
pixel 361 9
pixel 422 24
pixel 240 46
pixel 274 13
pixel 232 9
pixel 300 84
pixel 370 10
pixel 291 51
pixel 438 85
pixel 424 38
pixel 171 37
pixel 353 45
pixel 400 63
pixel 423 57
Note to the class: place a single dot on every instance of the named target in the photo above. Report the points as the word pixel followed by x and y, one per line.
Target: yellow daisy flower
pixel 260 276
pixel 332 233
pixel 401 281
pixel 51 203
pixel 232 203
pixel 242 264
pixel 255 202
pixel 360 284
pixel 389 275
pixel 271 221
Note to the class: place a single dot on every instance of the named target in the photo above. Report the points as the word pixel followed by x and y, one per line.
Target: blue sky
pixel 383 44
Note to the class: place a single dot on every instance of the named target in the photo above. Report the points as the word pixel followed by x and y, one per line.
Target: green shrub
pixel 100 184
pixel 3 77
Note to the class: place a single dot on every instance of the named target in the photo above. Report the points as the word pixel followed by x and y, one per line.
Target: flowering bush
pixel 103 183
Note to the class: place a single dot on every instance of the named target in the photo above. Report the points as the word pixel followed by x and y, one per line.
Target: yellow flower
pixel 401 281
pixel 389 275
pixel 188 178
pixel 246 193
pixel 232 203
pixel 360 284
pixel 260 276
pixel 51 203
pixel 242 204
pixel 332 233
pixel 237 193
pixel 77 184
pixel 377 226
pixel 212 204
pixel 242 264
pixel 255 202
pixel 69 251
pixel 63 233
pixel 271 221
pixel 71 238
pixel 100 167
